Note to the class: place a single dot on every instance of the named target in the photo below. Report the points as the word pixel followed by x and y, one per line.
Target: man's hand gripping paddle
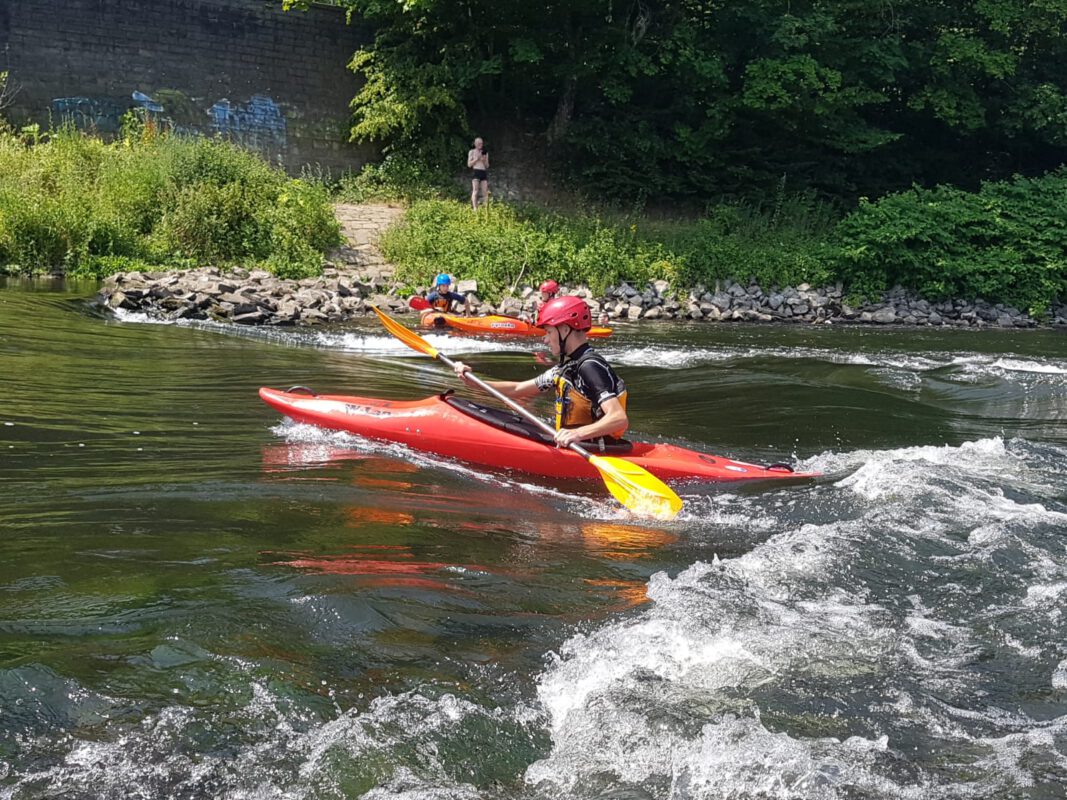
pixel 634 487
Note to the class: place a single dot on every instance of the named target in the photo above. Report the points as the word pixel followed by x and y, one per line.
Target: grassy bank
pixel 504 245
pixel 1006 243
pixel 73 202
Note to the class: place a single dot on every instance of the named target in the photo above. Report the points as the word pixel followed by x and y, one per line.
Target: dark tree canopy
pixel 706 98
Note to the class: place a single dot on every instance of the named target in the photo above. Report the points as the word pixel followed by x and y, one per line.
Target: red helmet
pixel 568 310
pixel 549 287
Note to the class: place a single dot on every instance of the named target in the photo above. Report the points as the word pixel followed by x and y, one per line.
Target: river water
pixel 199 599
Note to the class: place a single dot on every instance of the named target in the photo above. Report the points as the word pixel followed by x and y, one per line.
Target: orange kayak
pixel 494 324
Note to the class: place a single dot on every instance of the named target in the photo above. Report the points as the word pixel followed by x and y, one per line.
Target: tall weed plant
pixel 72 202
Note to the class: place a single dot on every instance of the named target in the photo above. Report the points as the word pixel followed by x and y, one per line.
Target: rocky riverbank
pixel 357 277
pixel 259 298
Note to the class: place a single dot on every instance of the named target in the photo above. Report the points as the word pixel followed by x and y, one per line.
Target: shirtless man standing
pixel 478 160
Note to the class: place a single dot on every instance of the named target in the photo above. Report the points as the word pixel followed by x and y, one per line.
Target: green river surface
pixel 200 599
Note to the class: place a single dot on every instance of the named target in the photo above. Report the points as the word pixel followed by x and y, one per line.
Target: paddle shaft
pixel 470 376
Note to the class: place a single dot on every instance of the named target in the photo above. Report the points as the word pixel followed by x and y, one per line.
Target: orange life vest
pixel 574 409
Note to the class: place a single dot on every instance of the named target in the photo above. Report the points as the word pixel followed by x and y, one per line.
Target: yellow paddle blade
pixel 408 337
pixel 637 488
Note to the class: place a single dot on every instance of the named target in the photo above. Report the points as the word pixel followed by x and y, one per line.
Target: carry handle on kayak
pixel 633 486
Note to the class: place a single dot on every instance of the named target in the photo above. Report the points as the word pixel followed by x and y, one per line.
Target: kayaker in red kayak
pixel 549 289
pixel 590 396
pixel 442 298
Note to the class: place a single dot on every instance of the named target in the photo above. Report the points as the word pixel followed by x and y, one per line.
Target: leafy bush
pixel 780 246
pixel 397 179
pixel 211 222
pixel 101 266
pixel 503 245
pixel 71 201
pixel 1005 243
pixel 301 227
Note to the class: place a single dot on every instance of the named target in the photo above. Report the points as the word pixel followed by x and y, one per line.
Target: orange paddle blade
pixel 408 337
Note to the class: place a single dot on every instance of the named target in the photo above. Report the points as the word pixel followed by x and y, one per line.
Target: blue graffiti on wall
pixel 257 123
pixel 100 113
pixel 88 113
pixel 147 103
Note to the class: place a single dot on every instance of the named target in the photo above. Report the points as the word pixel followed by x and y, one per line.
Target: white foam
pixel 819 604
pixel 375 343
pixel 1059 676
pixel 1045 594
pixel 1040 367
pixel 285 755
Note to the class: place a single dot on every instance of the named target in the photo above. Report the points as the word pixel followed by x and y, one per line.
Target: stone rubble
pixel 257 297
pixel 357 276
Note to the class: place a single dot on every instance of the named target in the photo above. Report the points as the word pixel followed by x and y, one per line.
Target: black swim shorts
pixel 481 174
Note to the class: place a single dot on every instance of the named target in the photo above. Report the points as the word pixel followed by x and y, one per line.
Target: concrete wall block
pixel 88 58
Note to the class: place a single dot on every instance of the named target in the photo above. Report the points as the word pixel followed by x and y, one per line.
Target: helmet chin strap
pixel 563 343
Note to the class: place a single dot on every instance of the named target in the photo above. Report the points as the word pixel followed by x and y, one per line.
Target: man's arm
pixel 456 297
pixel 472 157
pixel 614 421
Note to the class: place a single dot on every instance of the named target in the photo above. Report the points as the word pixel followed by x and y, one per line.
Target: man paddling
pixel 442 298
pixel 590 396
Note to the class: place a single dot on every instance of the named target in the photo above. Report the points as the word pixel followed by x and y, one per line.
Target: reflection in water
pixel 393 566
pixel 619 541
pixel 285 456
pixel 378 516
pixel 629 593
pixel 279 456
pixel 369 482
pixel 214 606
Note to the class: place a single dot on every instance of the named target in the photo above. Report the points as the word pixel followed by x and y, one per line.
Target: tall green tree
pixel 704 98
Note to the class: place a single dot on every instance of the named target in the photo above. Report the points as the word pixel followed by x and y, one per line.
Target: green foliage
pixel 301 226
pixel 502 246
pixel 72 202
pixel 684 99
pixel 102 266
pixel 215 223
pixel 397 178
pixel 743 243
pixel 1006 242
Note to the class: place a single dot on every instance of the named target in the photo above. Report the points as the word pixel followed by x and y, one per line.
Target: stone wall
pixel 271 80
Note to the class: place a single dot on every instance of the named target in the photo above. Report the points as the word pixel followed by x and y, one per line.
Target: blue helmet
pixel 442 279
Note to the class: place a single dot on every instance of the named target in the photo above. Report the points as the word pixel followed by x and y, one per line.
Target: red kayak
pixel 454 427
pixel 495 324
